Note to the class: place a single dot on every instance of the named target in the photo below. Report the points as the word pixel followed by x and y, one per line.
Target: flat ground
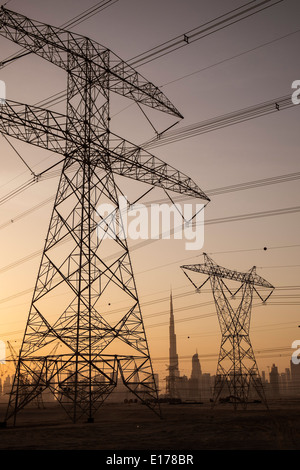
pixel 135 427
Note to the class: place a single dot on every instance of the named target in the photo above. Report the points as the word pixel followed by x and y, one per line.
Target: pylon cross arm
pixel 57 46
pixel 47 129
pixel 37 126
pixel 224 273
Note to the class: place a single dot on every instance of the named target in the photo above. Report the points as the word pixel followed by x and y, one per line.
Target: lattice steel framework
pixel 237 369
pixel 77 267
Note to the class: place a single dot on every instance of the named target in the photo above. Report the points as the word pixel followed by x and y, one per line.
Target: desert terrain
pixel 135 427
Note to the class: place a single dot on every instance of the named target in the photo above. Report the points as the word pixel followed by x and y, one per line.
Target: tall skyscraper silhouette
pixel 274 381
pixel 196 367
pixel 195 380
pixel 173 356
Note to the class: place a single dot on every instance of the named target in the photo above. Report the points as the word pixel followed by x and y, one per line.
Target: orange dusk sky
pixel 245 64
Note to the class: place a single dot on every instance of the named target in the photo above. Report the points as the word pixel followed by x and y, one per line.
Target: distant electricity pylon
pixel 237 369
pixel 79 273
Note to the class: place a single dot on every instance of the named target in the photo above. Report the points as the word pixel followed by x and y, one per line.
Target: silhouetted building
pixel 181 387
pixel 295 378
pixel 195 380
pixel 196 367
pixel 173 356
pixel 6 387
pixel 274 381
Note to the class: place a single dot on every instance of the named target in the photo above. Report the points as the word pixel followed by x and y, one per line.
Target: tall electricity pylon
pixel 237 368
pixel 79 273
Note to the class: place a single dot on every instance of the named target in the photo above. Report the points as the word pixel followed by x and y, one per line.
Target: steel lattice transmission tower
pixel 237 368
pixel 76 267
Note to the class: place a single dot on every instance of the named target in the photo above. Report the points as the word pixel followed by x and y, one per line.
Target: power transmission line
pixel 206 29
pixel 17 191
pixel 240 54
pixel 136 247
pixel 26 213
pixel 210 192
pixel 253 215
pixel 186 319
pixel 219 122
pixel 6 3
pixel 254 184
pixel 254 249
pixel 139 245
pixel 178 320
pixel 19 155
pixel 90 12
